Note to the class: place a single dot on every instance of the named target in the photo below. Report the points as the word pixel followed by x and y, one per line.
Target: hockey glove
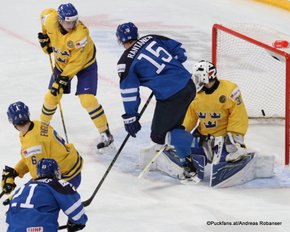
pixel 8 176
pixel 235 146
pixel 44 41
pixel 74 227
pixel 132 125
pixel 201 138
pixel 59 83
pixel 8 200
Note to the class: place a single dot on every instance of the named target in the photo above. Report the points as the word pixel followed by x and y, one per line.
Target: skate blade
pixel 190 181
pixel 106 150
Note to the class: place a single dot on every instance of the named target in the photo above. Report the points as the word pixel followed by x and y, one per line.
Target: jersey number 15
pixel 156 53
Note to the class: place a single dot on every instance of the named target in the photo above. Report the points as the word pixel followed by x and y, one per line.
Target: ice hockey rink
pixel 156 203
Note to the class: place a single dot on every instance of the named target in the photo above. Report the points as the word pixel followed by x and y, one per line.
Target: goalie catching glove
pixel 59 83
pixel 8 176
pixel 131 123
pixel 44 41
pixel 235 146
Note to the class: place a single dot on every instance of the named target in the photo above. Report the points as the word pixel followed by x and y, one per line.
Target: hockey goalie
pixel 215 125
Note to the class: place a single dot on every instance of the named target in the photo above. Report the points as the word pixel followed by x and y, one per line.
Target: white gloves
pixel 235 146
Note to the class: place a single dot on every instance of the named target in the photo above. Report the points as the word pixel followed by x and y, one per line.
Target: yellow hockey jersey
pixel 73 51
pixel 42 141
pixel 219 112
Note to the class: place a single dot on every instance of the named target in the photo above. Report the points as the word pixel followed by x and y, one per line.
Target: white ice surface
pixel 157 203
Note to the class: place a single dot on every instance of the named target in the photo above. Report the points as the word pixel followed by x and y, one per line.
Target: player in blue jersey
pixel 36 205
pixel 155 62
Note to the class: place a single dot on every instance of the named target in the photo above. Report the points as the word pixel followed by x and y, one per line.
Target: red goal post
pixel 244 54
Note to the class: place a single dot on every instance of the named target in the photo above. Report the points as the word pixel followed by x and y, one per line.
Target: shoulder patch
pixel 222 99
pixel 34 150
pixel 70 44
pixel 235 94
pixel 81 43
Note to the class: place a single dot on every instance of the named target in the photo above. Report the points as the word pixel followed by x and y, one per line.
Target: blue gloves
pixel 132 125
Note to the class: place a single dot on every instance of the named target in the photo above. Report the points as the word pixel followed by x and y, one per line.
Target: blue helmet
pixel 48 168
pixel 18 113
pixel 67 12
pixel 126 32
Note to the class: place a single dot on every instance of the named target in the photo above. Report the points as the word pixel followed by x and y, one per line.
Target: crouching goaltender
pixel 216 122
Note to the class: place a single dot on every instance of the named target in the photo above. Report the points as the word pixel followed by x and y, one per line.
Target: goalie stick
pixel 146 169
pixel 88 201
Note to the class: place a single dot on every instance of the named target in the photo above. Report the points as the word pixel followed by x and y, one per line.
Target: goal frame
pixel 219 27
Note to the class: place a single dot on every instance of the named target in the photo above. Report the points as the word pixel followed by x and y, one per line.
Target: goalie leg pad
pixel 225 174
pixel 265 166
pixel 199 162
pixel 146 155
pixel 169 163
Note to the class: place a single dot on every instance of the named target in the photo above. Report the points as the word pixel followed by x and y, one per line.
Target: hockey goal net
pixel 244 54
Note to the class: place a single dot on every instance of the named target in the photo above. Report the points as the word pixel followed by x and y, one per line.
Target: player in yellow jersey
pixel 221 118
pixel 219 110
pixel 64 35
pixel 38 141
pixel 216 123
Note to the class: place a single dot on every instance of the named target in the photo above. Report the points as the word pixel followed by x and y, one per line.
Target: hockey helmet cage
pixel 203 72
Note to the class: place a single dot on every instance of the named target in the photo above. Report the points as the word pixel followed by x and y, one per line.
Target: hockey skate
pixel 106 144
pixel 189 176
pixel 183 170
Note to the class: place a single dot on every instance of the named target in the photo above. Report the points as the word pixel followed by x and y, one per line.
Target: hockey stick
pixel 62 227
pixel 146 169
pixel 1 194
pixel 88 201
pixel 59 104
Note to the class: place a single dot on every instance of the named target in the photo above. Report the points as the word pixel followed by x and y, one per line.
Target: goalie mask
pixel 203 72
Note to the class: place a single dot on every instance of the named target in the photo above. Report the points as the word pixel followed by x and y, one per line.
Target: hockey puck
pixel 263 113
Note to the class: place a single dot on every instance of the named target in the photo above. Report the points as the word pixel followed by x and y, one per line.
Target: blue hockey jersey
pixel 36 205
pixel 155 62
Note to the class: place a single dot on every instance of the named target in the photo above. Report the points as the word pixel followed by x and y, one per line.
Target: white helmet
pixel 203 72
